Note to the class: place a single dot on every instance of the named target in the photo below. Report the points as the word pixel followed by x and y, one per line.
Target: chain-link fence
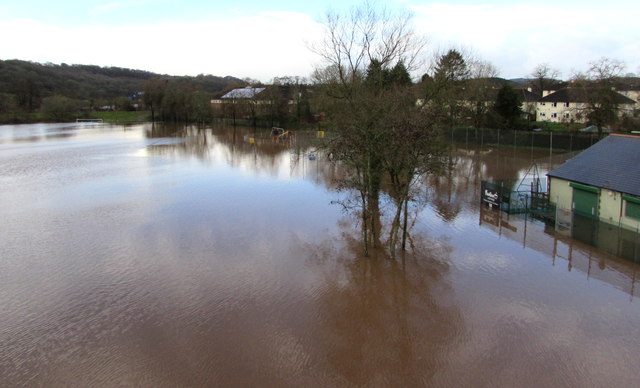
pixel 553 141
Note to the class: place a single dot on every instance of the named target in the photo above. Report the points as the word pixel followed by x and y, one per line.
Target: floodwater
pixel 163 257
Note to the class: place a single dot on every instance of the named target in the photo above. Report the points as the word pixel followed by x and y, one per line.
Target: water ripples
pixel 115 272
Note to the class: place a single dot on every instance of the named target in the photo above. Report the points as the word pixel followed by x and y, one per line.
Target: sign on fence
pixel 491 197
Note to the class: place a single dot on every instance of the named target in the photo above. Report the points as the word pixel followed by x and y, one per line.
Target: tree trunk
pixel 365 224
pixel 404 224
pixel 395 228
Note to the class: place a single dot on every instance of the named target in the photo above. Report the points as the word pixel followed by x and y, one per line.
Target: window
pixel 632 210
pixel 631 207
pixel 542 114
pixel 542 103
pixel 566 104
pixel 554 115
pixel 566 115
pixel 554 104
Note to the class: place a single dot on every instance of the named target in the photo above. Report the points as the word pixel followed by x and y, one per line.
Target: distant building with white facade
pixel 570 105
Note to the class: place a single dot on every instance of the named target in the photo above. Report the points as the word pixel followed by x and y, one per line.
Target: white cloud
pixel 516 37
pixel 108 6
pixel 262 46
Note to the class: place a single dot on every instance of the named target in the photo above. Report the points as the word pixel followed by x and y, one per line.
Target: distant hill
pixel 520 82
pixel 92 82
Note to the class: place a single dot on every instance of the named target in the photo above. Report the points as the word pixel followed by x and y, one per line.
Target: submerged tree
pixel 176 101
pixel 413 149
pixel 153 94
pixel 59 108
pixel 368 54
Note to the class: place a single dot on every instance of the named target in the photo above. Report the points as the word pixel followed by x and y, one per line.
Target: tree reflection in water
pixel 217 262
pixel 384 322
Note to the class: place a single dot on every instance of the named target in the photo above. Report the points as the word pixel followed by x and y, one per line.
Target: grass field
pixel 107 117
pixel 122 117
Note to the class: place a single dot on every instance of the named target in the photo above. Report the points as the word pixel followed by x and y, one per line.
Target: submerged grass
pixel 123 117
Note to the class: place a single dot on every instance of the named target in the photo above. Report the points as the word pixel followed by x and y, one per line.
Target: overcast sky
pixel 265 39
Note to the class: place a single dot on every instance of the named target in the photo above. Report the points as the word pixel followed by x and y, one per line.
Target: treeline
pixel 391 135
pixel 53 90
pixel 177 100
pixel 465 91
pixel 284 102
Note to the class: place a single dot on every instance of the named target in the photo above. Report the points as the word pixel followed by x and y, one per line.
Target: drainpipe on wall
pixel 620 215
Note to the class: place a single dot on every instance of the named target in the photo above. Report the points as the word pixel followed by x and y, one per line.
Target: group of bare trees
pixel 387 129
pixel 467 91
pixel 284 102
pixel 381 135
pixel 599 83
pixel 176 101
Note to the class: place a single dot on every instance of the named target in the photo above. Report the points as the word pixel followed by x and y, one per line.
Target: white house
pixel 570 105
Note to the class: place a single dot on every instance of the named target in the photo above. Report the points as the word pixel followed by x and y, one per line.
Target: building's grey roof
pixel 247 92
pixel 612 163
pixel 527 96
pixel 580 95
pixel 556 86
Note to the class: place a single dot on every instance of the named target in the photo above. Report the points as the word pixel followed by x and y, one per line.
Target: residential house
pixel 602 182
pixel 240 94
pixel 481 94
pixel 570 104
pixel 273 102
pixel 557 85
pixel 529 103
pixel 630 87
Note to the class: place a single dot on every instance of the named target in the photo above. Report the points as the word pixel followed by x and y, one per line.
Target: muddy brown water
pixel 164 257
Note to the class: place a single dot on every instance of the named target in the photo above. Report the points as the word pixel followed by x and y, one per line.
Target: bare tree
pixel 353 40
pixel 59 108
pixel 231 106
pixel 413 149
pixel 602 102
pixel 543 77
pixel 605 70
pixel 154 90
pixel 479 90
pixel 366 54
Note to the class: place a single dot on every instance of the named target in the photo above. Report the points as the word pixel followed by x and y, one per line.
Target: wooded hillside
pixel 23 84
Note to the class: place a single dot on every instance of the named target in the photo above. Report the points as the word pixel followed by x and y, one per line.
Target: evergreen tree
pixel 507 105
pixel 446 87
pixel 399 75
pixel 451 67
pixel 377 77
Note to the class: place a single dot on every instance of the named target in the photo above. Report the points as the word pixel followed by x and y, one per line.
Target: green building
pixel 602 182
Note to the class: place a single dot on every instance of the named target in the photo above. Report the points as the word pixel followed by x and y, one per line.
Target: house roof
pixel 628 83
pixel 579 95
pixel 556 85
pixel 527 96
pixel 247 92
pixel 612 163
